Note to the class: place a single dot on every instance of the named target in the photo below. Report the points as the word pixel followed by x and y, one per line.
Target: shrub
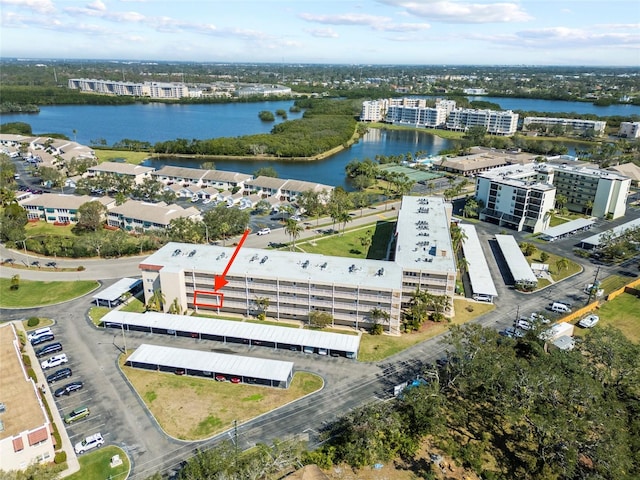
pixel 60 457
pixel 80 268
pixel 33 322
pixel 376 329
pixel 26 359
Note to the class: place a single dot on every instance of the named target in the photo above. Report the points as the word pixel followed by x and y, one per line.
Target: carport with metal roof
pixel 477 267
pixel 262 371
pixel 112 296
pixel 594 241
pixel 517 263
pixel 227 331
pixel 567 228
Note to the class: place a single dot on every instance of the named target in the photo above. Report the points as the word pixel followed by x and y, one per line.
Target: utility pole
pixel 235 435
pixel 594 287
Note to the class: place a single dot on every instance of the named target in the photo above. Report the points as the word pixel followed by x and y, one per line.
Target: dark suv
pixel 59 375
pixel 69 388
pixel 49 349
pixel 42 339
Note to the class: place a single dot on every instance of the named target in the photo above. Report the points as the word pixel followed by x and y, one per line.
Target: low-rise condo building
pixel 569 125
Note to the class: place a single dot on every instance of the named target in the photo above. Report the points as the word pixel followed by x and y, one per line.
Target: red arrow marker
pixel 219 280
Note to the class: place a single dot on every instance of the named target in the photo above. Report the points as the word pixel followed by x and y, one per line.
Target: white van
pixel 560 308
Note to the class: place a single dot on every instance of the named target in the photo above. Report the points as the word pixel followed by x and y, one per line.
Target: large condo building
pixel 629 130
pixel 295 284
pixel 576 125
pixel 520 196
pixel 496 122
pixel 515 196
pixel 146 89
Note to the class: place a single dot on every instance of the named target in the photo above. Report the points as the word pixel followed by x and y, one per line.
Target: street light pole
pixel 124 340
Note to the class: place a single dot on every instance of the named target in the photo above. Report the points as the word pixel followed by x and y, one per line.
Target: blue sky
pixel 489 32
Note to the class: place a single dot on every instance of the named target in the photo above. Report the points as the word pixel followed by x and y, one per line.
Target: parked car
pixel 47 337
pixel 49 349
pixel 512 332
pixel 38 333
pixel 69 388
pixel 264 231
pixel 54 361
pixel 589 321
pixel 221 378
pixel 77 414
pixel 59 375
pixel 92 441
pixel 536 317
pixel 523 324
pixel 478 297
pixel 236 380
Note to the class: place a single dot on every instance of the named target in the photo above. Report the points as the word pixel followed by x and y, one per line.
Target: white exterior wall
pixel 611 198
pixel 629 130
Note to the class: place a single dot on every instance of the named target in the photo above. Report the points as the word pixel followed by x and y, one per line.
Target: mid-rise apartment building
pixel 575 125
pixel 496 122
pixel 629 130
pixel 295 284
pixel 516 196
pixel 520 196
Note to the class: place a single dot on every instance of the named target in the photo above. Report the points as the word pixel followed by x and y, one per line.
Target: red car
pixel 235 380
pixel 221 378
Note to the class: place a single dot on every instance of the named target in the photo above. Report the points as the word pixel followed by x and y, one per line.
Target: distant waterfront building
pixel 629 130
pixel 474 91
pixel 263 91
pixel 374 110
pixel 576 125
pixel 482 159
pixel 119 169
pixel 496 122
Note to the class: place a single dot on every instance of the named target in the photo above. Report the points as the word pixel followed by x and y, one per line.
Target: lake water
pixel 155 122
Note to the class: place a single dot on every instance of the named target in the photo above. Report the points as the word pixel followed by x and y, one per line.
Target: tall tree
pixel 293 229
pixel 13 219
pixel 90 216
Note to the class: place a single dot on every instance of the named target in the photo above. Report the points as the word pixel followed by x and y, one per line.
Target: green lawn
pixel 37 293
pixel 613 283
pixel 120 155
pixel 555 221
pixel 36 229
pixel 622 312
pixel 349 244
pixel 551 261
pixel 135 305
pixel 96 314
pixel 374 348
pixel 95 465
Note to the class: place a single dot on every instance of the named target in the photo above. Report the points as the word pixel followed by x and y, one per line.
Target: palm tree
pixel 458 236
pixel 588 206
pixel 293 229
pixel 263 304
pixel 562 264
pixel 343 218
pixel 156 301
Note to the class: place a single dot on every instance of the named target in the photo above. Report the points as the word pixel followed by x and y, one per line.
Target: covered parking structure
pixel 112 296
pixel 594 241
pixel 260 371
pixel 228 331
pixel 518 266
pixel 477 267
pixel 566 229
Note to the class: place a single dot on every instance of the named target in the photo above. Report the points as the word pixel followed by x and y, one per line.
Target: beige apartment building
pixel 294 284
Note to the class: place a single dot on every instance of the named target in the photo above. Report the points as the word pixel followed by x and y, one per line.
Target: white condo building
pixel 629 130
pixel 519 196
pixel 576 125
pixel 496 122
pixel 296 283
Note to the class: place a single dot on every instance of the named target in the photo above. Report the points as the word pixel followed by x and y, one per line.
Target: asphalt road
pixel 118 413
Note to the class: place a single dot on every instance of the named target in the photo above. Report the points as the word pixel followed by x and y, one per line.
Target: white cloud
pixel 448 11
pixel 97 5
pixel 345 19
pixel 322 32
pixel 41 6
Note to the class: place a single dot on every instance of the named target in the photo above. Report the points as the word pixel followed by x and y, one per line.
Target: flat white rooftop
pixel 115 291
pixel 229 328
pixel 518 265
pixel 212 362
pixel 274 264
pixel 423 239
pixel 477 267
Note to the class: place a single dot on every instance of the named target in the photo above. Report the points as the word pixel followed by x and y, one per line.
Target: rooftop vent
pixel 176 252
pixel 380 272
pixel 305 264
pixel 192 253
pixel 254 258
pixel 323 266
pixel 264 259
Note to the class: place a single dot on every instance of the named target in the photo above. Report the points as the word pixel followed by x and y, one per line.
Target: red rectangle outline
pixel 207 292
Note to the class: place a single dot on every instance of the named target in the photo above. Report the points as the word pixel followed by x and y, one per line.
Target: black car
pixel 42 339
pixel 48 349
pixel 59 375
pixel 68 388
